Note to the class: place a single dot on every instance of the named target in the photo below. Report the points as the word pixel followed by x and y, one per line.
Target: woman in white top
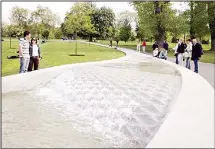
pixel 187 54
pixel 35 55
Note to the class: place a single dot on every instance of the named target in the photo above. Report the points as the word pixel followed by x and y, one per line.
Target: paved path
pixel 117 103
pixel 206 70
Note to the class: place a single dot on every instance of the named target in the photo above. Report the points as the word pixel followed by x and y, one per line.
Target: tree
pixel 43 18
pixel 154 19
pixel 58 33
pixel 77 20
pixel 125 31
pixel 102 20
pixel 45 34
pixel 211 20
pixel 20 17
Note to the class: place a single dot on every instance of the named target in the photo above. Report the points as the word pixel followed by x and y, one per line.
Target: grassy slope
pixel 208 56
pixel 57 53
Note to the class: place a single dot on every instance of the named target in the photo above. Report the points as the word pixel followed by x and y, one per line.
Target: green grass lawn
pixel 56 53
pixel 208 56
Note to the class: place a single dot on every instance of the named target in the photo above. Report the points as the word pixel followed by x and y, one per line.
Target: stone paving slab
pixel 119 103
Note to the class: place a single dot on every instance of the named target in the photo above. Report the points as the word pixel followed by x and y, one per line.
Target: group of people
pixel 143 45
pixel 111 43
pixel 160 51
pixel 191 50
pixel 29 53
pixel 184 51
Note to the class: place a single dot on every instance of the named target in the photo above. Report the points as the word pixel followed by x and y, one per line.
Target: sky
pixel 61 8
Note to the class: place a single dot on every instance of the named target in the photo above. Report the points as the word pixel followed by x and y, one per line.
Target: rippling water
pixel 116 104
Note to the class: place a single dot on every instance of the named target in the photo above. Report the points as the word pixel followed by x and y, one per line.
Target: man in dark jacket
pixel 166 47
pixel 180 51
pixel 154 46
pixel 196 54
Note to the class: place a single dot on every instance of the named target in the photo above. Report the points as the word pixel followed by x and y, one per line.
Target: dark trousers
pixel 195 60
pixel 34 62
pixel 176 59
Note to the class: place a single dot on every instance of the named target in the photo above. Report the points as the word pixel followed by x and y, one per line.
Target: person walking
pixel 180 51
pixel 144 46
pixel 196 54
pixel 24 52
pixel 35 55
pixel 187 54
pixel 176 54
pixel 117 42
pixel 110 43
pixel 166 47
pixel 138 46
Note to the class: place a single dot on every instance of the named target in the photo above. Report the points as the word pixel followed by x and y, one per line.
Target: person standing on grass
pixel 117 42
pixel 180 51
pixel 138 45
pixel 35 55
pixel 110 43
pixel 187 54
pixel 196 54
pixel 144 46
pixel 166 47
pixel 24 52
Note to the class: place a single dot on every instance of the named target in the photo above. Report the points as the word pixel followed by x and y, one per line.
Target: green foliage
pixel 58 33
pixel 125 31
pixel 78 19
pixel 103 20
pixel 132 38
pixel 45 34
pixel 20 17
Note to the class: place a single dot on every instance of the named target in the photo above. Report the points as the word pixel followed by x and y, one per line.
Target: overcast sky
pixel 62 7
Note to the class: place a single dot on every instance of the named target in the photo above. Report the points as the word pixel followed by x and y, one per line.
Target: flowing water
pixel 101 105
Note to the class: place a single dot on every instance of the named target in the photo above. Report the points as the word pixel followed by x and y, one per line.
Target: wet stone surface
pixel 115 104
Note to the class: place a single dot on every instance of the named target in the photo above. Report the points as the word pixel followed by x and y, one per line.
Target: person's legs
pixel 189 66
pixel 36 63
pixel 22 67
pixel 195 65
pixel 180 58
pixel 27 60
pixel 176 59
pixel 30 64
pixel 144 49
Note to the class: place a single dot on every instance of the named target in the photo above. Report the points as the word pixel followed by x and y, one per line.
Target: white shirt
pixel 155 52
pixel 35 51
pixel 188 50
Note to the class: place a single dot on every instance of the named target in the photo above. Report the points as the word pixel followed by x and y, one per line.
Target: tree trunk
pixel 211 14
pixel 192 32
pixel 10 41
pixel 212 42
pixel 76 48
pixel 91 38
pixel 160 37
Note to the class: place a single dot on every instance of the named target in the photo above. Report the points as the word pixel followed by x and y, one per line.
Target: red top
pixel 144 43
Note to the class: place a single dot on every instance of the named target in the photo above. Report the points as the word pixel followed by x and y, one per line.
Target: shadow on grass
pixel 76 55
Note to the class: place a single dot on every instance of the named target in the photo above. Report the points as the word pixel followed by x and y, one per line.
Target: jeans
pixel 180 59
pixel 188 63
pixel 176 59
pixel 195 65
pixel 24 62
